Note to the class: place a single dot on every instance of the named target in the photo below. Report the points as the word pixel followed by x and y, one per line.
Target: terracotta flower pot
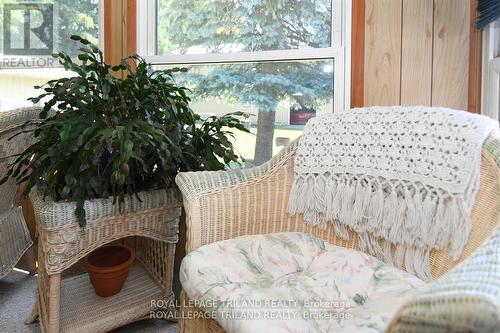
pixel 108 268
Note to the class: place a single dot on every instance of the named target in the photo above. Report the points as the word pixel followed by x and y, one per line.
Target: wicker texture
pixel 130 304
pixel 14 239
pixel 225 205
pixel 465 300
pixel 14 236
pixel 64 242
pixel 69 305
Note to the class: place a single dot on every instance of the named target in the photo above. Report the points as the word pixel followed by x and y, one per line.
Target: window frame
pixel 491 71
pixel 339 51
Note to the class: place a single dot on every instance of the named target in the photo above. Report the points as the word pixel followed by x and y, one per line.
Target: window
pixel 30 31
pixel 491 70
pixel 283 61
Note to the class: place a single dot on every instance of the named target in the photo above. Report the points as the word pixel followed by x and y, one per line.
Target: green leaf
pixel 116 136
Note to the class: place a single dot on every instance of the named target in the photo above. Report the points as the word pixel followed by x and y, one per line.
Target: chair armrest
pixel 225 204
pixel 465 300
pixel 192 184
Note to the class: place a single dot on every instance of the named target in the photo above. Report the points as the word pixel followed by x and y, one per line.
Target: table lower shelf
pixel 83 311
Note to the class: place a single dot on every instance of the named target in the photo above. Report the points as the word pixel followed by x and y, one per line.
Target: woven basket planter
pixel 62 243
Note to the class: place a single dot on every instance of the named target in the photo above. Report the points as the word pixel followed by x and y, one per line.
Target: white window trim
pixel 101 24
pixel 490 104
pixel 340 50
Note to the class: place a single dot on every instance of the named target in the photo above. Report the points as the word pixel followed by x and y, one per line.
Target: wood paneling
pixel 358 53
pixel 451 53
pixel 115 30
pixel 382 52
pixel 120 26
pixel 416 53
pixel 107 28
pixel 131 27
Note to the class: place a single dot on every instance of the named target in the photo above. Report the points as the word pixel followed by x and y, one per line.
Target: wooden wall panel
pixel 131 27
pixel 120 26
pixel 451 53
pixel 358 53
pixel 416 53
pixel 382 52
pixel 115 30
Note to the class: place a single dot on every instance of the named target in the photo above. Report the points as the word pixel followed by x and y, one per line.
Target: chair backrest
pixel 10 124
pixel 485 212
pixel 224 205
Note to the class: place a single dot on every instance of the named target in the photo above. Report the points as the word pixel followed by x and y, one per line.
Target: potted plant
pixel 112 136
pixel 108 268
pixel 115 134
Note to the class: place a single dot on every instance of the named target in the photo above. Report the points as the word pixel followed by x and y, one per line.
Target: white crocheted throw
pixel 406 175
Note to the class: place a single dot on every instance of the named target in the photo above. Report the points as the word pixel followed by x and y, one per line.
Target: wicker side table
pixel 70 304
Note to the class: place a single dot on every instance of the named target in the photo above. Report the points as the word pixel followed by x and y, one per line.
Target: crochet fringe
pixel 368 170
pixel 410 217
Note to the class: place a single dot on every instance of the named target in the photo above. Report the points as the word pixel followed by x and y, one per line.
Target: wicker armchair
pixel 14 236
pixel 224 205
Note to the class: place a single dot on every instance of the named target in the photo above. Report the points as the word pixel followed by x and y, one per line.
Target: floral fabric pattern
pixel 294 282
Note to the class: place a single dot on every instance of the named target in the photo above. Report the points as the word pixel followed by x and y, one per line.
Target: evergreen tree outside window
pixel 270 58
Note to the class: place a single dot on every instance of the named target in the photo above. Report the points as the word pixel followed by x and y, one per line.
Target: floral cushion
pixel 294 282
